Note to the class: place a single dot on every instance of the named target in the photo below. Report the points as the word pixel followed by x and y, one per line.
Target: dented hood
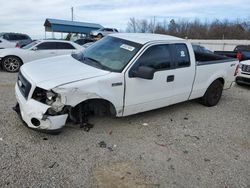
pixel 51 72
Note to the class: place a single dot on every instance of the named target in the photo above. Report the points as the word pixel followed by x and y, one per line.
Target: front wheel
pixel 213 94
pixel 11 64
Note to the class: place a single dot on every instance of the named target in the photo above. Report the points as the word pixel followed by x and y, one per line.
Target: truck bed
pixel 208 68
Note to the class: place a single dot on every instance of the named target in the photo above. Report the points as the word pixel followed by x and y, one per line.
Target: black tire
pixel 213 94
pixel 11 64
pixel 99 36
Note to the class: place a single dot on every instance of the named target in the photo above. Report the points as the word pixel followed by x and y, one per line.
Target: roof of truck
pixel 143 38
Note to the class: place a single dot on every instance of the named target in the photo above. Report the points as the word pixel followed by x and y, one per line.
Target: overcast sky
pixel 28 16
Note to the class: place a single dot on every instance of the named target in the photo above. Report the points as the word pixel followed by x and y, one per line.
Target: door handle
pixel 170 78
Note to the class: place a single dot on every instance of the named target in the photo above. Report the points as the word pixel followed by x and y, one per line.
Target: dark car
pixel 21 39
pixel 83 41
pixel 201 49
pixel 242 52
pixel 203 54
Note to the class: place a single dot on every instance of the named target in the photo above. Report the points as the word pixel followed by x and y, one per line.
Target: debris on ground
pixel 186 152
pixel 162 145
pixel 1 139
pixel 186 118
pixel 110 148
pixel 207 160
pixel 55 164
pixel 102 144
pixel 110 131
pixel 145 124
pixel 45 138
pixel 192 136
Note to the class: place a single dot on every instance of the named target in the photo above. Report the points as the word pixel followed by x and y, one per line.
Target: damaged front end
pixel 43 111
pixel 51 99
pixel 46 111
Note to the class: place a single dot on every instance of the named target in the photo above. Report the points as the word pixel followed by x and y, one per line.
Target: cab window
pixel 182 56
pixel 157 57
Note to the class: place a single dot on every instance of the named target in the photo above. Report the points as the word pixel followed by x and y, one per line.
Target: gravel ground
pixel 184 145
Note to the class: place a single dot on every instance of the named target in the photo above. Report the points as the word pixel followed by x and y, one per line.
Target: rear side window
pixel 23 37
pixel 182 56
pixel 55 46
pixel 109 30
pixel 6 37
pixel 47 46
pixel 13 37
pixel 64 46
pixel 157 57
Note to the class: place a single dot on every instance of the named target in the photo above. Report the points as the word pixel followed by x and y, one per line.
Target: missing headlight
pixel 44 96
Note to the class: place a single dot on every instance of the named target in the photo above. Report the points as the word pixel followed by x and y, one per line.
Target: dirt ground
pixel 184 145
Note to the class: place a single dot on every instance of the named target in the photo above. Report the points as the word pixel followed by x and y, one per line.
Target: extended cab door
pixel 172 82
pixel 184 73
pixel 144 94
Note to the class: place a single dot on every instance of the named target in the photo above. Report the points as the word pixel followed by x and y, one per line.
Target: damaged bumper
pixel 33 113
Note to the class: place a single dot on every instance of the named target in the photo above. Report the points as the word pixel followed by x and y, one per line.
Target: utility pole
pixel 154 25
pixel 72 14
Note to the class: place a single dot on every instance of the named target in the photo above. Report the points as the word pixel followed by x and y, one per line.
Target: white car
pixel 119 75
pixel 6 44
pixel 12 59
pixel 243 76
pixel 103 32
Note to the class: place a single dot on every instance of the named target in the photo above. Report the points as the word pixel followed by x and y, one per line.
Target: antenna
pixel 72 13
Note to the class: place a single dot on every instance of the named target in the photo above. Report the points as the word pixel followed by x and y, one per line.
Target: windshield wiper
pixel 98 63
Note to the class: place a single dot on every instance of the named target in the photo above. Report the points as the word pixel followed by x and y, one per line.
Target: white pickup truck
pixel 121 75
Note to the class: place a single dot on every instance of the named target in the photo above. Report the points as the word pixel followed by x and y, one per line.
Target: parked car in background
pixel 12 59
pixel 201 49
pixel 119 75
pixel 83 41
pixel 20 39
pixel 243 76
pixel 241 52
pixel 103 32
pixel 6 44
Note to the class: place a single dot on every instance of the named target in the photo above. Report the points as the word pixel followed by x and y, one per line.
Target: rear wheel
pixel 11 64
pixel 99 36
pixel 213 94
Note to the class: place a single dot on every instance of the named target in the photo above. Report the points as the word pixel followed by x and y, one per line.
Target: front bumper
pixel 33 114
pixel 243 78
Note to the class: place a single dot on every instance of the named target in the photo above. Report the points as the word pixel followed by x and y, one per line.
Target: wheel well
pixel 94 107
pixel 221 80
pixel 15 57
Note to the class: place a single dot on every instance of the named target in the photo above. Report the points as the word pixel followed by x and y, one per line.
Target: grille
pixel 23 85
pixel 245 68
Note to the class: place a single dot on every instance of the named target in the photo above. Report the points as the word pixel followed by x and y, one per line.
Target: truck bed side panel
pixel 207 72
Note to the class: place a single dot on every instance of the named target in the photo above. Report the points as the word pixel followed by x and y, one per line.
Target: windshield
pixel 109 53
pixel 30 45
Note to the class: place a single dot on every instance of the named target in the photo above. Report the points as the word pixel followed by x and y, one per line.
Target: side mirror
pixel 144 73
pixel 34 48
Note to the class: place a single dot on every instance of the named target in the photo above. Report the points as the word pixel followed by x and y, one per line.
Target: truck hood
pixel 51 72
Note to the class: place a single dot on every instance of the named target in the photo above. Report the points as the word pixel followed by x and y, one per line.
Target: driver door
pixel 143 94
